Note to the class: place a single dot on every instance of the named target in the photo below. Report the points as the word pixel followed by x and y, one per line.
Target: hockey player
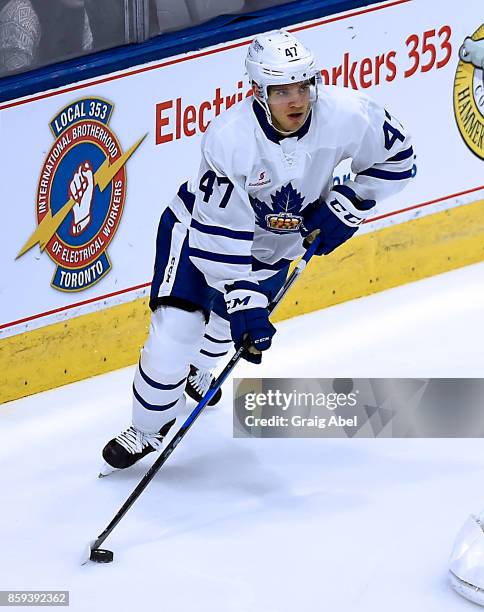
pixel 226 240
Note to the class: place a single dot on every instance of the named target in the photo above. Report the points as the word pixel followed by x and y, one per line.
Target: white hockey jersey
pixel 244 207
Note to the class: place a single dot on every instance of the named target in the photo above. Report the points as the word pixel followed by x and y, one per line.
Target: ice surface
pixel 243 525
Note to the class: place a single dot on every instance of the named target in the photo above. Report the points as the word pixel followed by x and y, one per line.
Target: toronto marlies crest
pixel 283 214
pixel 80 194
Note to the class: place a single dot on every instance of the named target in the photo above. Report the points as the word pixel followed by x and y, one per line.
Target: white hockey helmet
pixel 279 58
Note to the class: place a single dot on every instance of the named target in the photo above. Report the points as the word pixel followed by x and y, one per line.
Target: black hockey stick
pixel 94 553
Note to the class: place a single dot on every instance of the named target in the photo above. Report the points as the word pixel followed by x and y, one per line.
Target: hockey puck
pixel 101 555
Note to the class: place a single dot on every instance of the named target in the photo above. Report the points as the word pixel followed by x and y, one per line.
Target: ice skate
pixel 199 382
pixel 130 446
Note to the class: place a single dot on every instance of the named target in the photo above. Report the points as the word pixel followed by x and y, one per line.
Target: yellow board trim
pixel 111 338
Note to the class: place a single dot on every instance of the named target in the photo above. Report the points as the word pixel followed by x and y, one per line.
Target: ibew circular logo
pixel 80 194
pixel 469 92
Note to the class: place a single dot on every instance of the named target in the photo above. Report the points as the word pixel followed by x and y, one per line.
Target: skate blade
pixel 106 470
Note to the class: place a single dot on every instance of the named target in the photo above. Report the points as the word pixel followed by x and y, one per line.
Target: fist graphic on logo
pixel 81 190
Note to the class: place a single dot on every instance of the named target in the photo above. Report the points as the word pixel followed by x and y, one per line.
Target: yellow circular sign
pixel 469 92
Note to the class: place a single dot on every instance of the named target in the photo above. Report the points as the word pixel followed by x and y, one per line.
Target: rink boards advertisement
pixel 88 168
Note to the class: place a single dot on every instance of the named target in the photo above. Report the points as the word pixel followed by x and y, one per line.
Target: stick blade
pixel 86 553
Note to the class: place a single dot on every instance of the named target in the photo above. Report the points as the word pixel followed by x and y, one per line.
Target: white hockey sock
pixel 216 343
pixel 159 381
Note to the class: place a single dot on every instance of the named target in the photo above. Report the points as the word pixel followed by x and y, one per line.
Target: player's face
pixel 289 105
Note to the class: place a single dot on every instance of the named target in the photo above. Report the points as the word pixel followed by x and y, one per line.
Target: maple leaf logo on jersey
pixel 284 215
